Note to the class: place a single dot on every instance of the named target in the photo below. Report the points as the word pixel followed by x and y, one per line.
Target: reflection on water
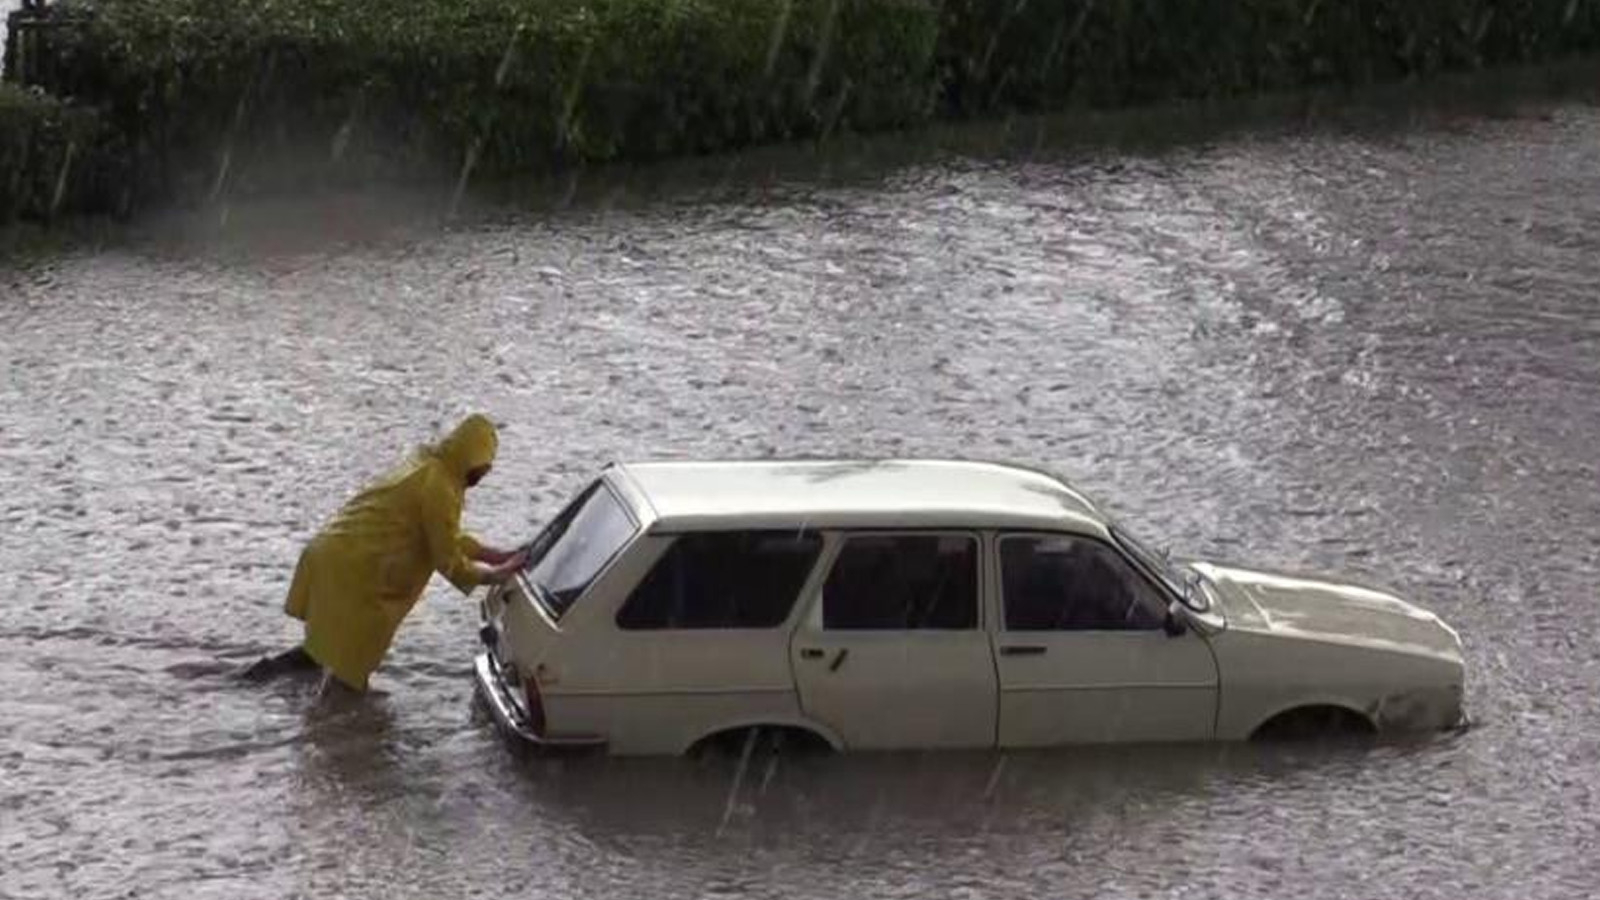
pixel 1367 351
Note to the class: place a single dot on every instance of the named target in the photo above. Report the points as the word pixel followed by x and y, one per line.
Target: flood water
pixel 1367 351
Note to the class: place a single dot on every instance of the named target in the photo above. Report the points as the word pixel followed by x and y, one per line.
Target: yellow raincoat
pixel 360 576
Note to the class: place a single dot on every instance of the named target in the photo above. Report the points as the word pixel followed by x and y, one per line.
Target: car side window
pixel 903 582
pixel 1060 583
pixel 744 579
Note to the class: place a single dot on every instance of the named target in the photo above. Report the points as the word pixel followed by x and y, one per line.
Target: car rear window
pixel 741 579
pixel 578 545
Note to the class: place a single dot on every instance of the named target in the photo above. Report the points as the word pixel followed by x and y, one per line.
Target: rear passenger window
pixel 903 582
pixel 746 579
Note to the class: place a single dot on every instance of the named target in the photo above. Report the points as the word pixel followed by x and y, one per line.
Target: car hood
pixel 1319 609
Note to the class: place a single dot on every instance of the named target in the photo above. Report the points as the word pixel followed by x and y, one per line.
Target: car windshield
pixel 572 551
pixel 1175 578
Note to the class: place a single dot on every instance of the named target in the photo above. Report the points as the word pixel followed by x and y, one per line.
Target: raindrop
pixel 780 30
pixel 738 778
pixel 505 58
pixel 341 138
pixel 466 172
pixel 994 777
pixel 61 177
pixel 222 171
pixel 824 43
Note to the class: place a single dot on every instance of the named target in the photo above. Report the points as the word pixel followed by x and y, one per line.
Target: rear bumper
pixel 508 716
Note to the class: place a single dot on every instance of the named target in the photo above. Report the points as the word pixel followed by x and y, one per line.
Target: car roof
pixel 859 494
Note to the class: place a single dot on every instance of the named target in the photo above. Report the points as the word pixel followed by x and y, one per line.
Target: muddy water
pixel 1375 352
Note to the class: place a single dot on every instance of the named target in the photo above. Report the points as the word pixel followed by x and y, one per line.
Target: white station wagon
pixel 923 604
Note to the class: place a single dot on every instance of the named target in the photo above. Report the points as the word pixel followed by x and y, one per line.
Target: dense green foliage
pixel 390 86
pixel 1034 54
pixel 52 157
pixel 205 96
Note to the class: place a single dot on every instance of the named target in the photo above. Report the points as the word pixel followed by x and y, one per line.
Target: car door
pixel 1082 654
pixel 892 652
pixel 696 642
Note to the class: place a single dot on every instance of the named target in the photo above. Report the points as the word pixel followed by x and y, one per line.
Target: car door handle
pixel 1023 650
pixel 810 653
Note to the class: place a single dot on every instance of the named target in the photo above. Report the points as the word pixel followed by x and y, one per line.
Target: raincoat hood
pixel 470 446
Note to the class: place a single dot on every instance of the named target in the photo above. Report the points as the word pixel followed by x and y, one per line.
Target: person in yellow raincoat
pixel 366 569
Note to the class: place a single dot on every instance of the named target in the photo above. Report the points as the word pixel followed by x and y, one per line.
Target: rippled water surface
pixel 1369 352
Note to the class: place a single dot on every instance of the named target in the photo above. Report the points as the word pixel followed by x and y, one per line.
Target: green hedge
pixel 200 95
pixel 386 87
pixel 1052 54
pixel 53 158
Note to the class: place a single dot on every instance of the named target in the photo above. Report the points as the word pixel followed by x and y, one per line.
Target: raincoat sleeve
pixel 470 546
pixel 440 510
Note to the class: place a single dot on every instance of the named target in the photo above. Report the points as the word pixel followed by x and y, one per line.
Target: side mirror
pixel 1177 621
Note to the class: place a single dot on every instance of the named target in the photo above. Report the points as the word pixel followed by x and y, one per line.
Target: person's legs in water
pixel 332 694
pixel 292 661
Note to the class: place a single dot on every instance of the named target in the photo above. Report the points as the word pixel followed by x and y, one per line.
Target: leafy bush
pixel 1032 54
pixel 196 95
pixel 388 87
pixel 53 158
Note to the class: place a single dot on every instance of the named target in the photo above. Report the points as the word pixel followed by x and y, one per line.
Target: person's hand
pixel 507 569
pixel 494 556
